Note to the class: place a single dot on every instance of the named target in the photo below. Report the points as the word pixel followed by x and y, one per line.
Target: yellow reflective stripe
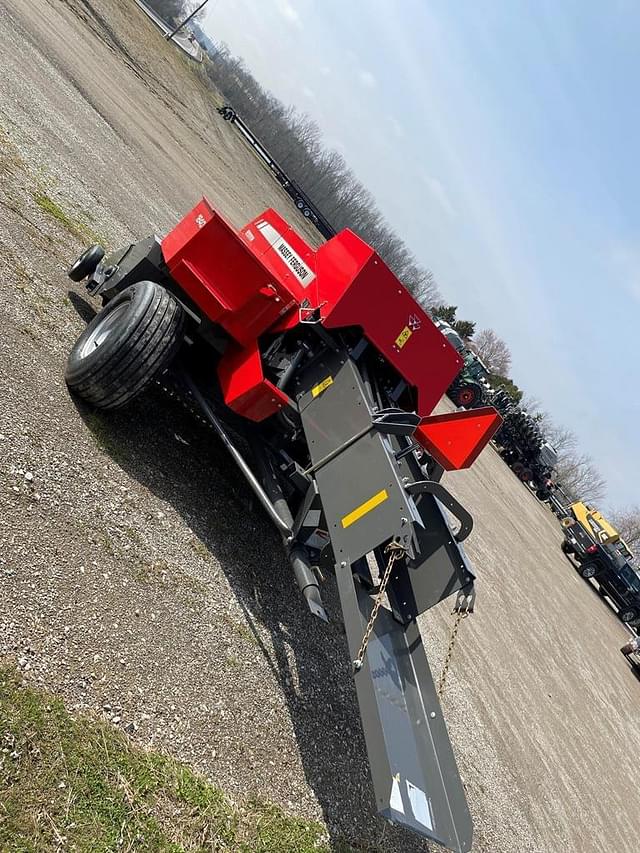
pixel 363 509
pixel 318 389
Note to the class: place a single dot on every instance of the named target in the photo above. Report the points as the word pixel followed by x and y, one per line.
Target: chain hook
pixel 463 607
pixel 395 551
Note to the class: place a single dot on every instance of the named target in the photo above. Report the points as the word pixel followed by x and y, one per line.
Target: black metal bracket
pixel 446 498
pixel 465 600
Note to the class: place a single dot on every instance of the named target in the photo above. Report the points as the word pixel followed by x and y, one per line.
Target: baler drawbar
pixel 318 371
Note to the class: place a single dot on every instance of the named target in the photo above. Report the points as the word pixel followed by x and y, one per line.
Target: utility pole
pixel 186 20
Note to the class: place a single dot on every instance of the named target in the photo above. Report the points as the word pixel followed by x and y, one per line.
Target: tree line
pixel 295 141
pixel 575 470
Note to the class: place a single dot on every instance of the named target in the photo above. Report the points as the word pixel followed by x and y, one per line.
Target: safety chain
pixel 395 552
pixel 461 613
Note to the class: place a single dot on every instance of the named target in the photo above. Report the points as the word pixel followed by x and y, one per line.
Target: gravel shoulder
pixel 141 584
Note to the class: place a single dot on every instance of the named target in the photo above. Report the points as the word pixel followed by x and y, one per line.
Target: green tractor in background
pixel 472 383
pixel 470 387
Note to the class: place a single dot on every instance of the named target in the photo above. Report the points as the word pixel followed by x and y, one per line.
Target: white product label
pixel 395 801
pixel 291 258
pixel 419 805
pixel 318 539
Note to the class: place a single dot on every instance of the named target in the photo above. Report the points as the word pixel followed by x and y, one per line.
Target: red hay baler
pixel 319 372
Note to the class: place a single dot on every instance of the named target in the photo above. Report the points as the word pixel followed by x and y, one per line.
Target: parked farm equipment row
pixel 523 446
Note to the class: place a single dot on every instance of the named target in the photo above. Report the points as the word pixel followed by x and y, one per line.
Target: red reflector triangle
pixel 456 439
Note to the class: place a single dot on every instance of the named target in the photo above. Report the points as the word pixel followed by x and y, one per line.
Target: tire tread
pixel 146 348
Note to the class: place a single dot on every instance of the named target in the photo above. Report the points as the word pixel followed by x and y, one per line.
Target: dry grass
pixel 74 783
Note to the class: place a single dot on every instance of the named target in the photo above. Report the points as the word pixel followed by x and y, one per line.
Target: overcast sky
pixel 502 141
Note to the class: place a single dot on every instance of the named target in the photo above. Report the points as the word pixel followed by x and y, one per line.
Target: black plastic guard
pixel 413 769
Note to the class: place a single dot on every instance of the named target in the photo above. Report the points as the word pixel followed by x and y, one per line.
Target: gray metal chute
pixel 374 495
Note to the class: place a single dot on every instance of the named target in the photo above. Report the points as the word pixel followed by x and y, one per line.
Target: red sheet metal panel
pixel 283 252
pixel 456 439
pixel 254 281
pixel 232 286
pixel 356 288
pixel 243 384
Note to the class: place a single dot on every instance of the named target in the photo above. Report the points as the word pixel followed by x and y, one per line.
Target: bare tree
pixel 295 141
pixel 421 282
pixel 575 471
pixel 627 522
pixel 171 10
pixel 493 351
pixel 532 405
pixel 579 477
pixel 562 438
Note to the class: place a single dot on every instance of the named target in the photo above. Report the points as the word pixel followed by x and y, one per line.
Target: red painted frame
pixel 262 278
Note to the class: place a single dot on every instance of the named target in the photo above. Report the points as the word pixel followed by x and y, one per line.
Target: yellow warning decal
pixel 318 389
pixel 403 337
pixel 364 508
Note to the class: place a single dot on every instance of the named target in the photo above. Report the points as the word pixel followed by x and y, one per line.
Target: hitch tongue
pixel 307 581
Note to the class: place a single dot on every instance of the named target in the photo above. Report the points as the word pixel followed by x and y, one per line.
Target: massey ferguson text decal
pixel 302 272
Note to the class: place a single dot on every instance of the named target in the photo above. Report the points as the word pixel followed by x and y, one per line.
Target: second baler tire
pixel 141 344
pixel 86 264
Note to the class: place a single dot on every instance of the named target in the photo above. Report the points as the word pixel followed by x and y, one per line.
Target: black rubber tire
pixel 143 342
pixel 631 613
pixel 588 568
pixel 566 548
pixel 86 264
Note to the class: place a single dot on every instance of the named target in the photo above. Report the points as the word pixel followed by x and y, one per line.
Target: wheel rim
pixel 589 572
pixel 627 615
pixel 100 334
pixel 465 396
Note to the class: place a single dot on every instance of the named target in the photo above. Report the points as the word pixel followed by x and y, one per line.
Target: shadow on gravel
pixel 82 307
pixel 168 451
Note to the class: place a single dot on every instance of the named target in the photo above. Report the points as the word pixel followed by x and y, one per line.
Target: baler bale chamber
pixel 319 371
